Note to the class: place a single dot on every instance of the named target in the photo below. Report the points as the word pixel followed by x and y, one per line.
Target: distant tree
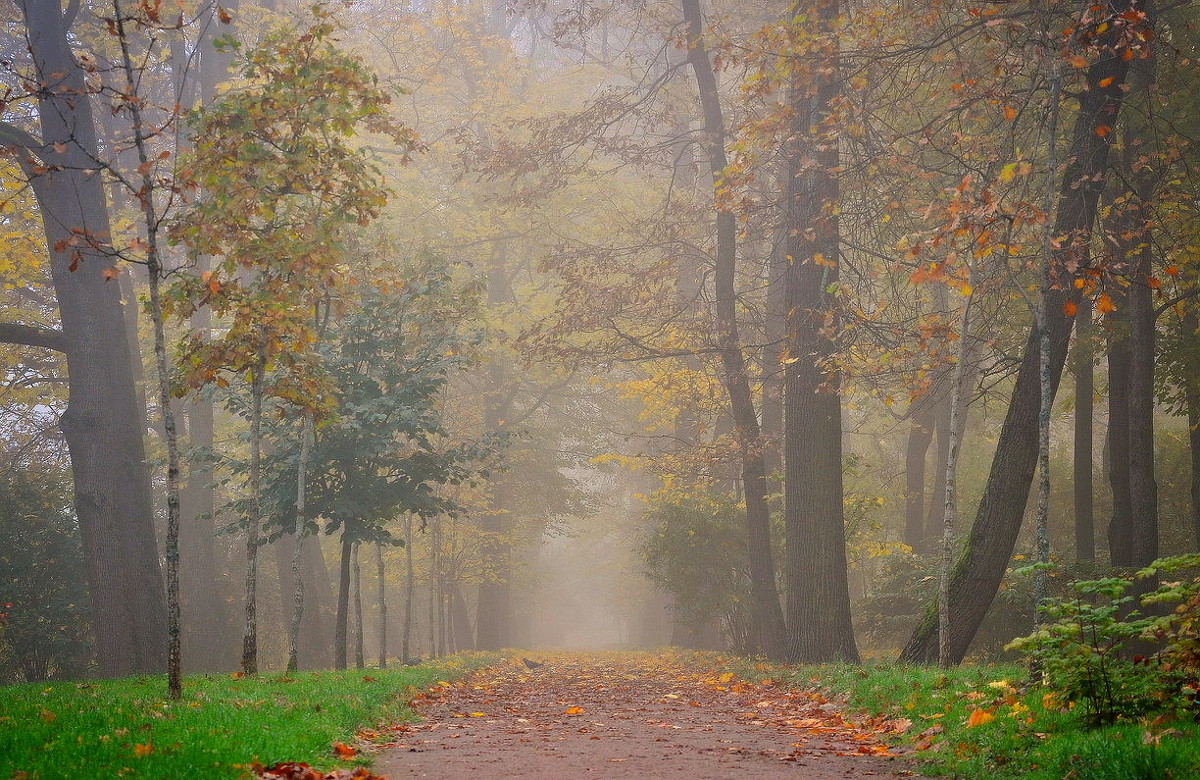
pixel 694 547
pixel 45 621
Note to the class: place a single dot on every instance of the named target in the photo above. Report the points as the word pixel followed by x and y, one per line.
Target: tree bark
pixel 765 607
pixel 920 436
pixel 343 604
pixel 818 617
pixel 103 424
pixel 980 567
pixel 1120 525
pixel 1085 533
pixel 383 610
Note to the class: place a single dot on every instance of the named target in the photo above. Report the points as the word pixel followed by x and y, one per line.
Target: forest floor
pixel 632 715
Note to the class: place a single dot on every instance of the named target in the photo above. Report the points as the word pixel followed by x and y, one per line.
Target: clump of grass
pixel 221 726
pixel 988 721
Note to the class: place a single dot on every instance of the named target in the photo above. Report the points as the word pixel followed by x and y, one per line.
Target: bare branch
pixel 31 336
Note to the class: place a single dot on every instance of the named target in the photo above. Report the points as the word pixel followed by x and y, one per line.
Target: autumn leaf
pixel 223 15
pixel 1104 304
pixel 143 750
pixel 1010 113
pixel 343 751
pixel 979 717
pixel 573 710
pixel 1070 308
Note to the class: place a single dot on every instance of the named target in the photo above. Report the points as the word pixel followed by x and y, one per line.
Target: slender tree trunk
pixel 460 618
pixel 359 629
pixel 383 610
pixel 765 606
pixel 920 436
pixel 950 507
pixel 254 521
pixel 980 568
pixel 1085 534
pixel 409 584
pixel 150 221
pixel 299 531
pixel 940 418
pixel 343 604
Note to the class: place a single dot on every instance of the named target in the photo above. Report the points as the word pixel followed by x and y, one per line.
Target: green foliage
pixel 1085 646
pixel 386 450
pixel 695 549
pixel 45 621
pixel 126 728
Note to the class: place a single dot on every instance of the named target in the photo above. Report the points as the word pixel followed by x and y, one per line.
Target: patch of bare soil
pixel 632 715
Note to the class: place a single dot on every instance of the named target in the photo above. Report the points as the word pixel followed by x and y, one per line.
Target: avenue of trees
pixel 329 331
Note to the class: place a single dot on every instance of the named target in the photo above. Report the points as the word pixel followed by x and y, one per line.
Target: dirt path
pixel 628 715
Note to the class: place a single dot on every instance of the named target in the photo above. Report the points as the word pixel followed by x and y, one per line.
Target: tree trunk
pixel 1143 489
pixel 954 430
pixel 920 436
pixel 765 607
pixel 409 584
pixel 343 604
pixel 103 424
pixel 1085 533
pixel 1191 327
pixel 980 567
pixel 359 628
pixel 299 532
pixel 154 265
pixel 383 610
pixel 1120 526
pixel 819 627
pixel 253 522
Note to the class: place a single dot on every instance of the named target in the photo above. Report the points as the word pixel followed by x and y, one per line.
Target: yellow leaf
pixel 573 710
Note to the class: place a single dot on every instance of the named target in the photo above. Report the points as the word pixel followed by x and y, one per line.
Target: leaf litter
pixel 666 715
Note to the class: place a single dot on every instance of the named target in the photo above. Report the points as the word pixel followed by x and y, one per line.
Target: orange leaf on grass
pixel 343 751
pixel 979 717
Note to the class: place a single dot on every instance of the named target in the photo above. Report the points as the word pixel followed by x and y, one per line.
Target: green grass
pixel 1024 732
pixel 128 728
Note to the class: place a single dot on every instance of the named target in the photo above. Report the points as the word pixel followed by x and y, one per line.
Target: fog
pixel 583 325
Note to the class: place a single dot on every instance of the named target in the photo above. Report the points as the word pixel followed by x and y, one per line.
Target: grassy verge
pixel 223 724
pixel 985 721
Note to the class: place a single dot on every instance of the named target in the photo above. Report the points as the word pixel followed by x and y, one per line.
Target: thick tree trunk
pixel 818 617
pixel 1120 525
pixel 1143 489
pixel 103 424
pixel 1191 327
pixel 980 567
pixel 765 607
